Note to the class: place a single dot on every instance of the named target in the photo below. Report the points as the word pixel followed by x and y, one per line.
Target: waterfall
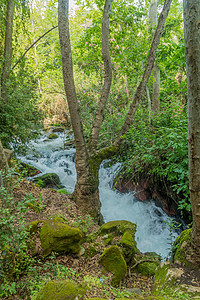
pixel 154 230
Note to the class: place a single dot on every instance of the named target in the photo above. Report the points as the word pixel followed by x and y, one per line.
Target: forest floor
pixel 88 269
pixel 75 267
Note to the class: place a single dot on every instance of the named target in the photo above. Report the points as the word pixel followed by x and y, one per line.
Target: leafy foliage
pixel 161 149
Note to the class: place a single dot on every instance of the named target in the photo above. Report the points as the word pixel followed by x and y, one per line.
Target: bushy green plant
pixel 13 234
pixel 160 148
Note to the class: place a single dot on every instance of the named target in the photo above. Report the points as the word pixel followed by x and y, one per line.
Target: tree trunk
pixel 156 69
pixel 192 55
pixel 3 164
pixel 86 192
pixel 156 89
pixel 7 49
pixel 88 159
pixel 150 63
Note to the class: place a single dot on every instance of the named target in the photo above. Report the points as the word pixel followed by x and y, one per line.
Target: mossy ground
pixel 79 268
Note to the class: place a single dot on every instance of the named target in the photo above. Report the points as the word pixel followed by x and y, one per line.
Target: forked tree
pixel 88 156
pixel 192 55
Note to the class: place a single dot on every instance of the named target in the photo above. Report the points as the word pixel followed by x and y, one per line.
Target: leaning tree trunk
pixel 7 60
pixel 156 69
pixel 88 159
pixel 86 192
pixel 192 55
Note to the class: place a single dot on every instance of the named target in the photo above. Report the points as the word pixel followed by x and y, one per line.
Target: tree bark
pixel 7 60
pixel 192 55
pixel 88 159
pixel 107 76
pixel 3 164
pixel 156 69
pixel 86 192
pixel 150 63
pixel 156 89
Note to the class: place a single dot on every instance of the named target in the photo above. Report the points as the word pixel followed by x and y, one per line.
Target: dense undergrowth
pixel 159 149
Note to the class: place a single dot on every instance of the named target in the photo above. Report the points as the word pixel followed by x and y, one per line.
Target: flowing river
pixel 154 230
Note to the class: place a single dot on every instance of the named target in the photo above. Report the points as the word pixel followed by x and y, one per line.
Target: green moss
pixel 56 235
pixel 129 246
pixel 53 136
pixel 32 227
pixel 147 269
pixel 117 227
pixel 108 240
pixel 62 191
pixel 149 263
pixel 59 290
pixel 113 261
pixel 48 180
pixel 180 247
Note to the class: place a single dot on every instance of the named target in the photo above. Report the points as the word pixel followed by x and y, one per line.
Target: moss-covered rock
pixel 148 263
pixel 129 246
pixel 125 232
pixel 59 290
pixel 108 239
pixel 48 180
pixel 181 247
pixel 52 136
pixel 56 235
pixel 118 227
pixel 113 261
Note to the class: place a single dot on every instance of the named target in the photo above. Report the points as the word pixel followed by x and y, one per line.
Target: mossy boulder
pixel 117 227
pixel 147 263
pixel 125 231
pixel 113 261
pixel 56 235
pixel 48 180
pixel 52 136
pixel 59 290
pixel 129 246
pixel 182 251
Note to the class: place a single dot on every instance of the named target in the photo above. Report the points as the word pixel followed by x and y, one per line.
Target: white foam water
pixel 154 233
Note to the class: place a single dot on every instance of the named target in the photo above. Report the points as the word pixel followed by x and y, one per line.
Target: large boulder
pixel 113 261
pixel 118 227
pixel 182 250
pixel 48 180
pixel 59 290
pixel 122 233
pixel 57 236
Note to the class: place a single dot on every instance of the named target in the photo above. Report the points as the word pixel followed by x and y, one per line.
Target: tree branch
pixel 107 77
pixel 33 45
pixel 150 63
